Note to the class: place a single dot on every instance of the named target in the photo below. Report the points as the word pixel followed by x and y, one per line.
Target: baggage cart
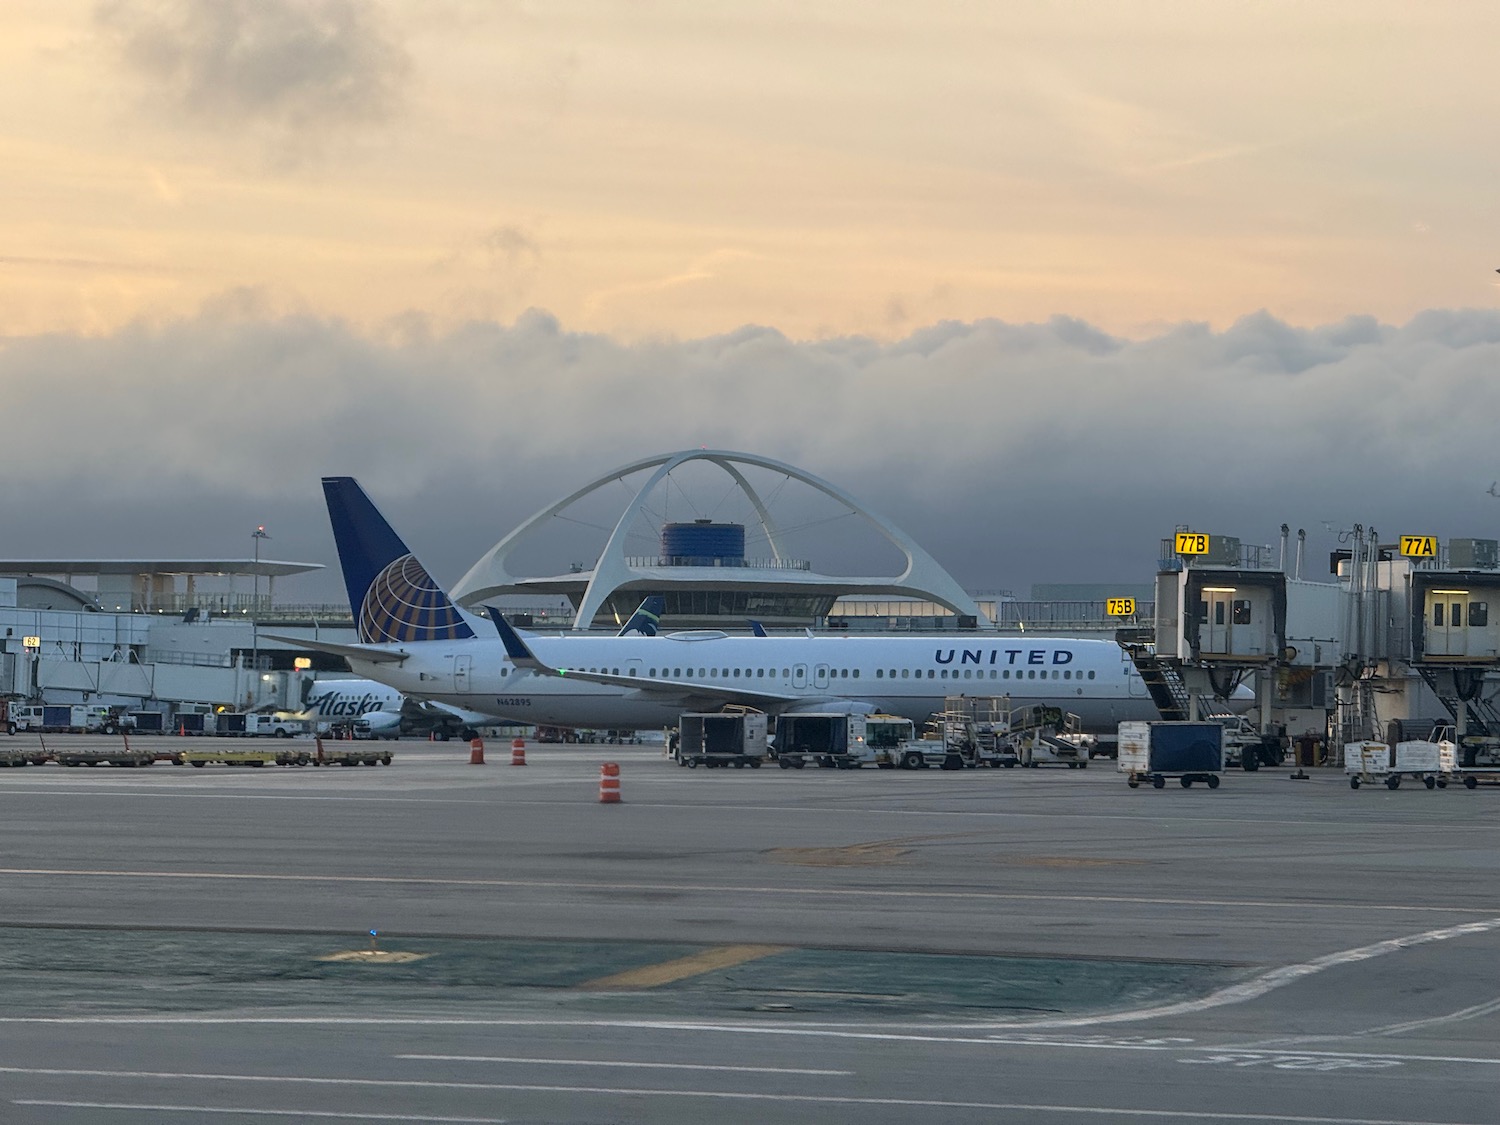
pixel 1155 751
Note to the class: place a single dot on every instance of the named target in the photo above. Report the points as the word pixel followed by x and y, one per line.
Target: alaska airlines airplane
pixel 388 713
pixel 416 640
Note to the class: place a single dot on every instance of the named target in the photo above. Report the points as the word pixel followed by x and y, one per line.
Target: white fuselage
pixel 907 676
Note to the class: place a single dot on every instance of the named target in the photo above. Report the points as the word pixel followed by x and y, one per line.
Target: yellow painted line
pixel 696 964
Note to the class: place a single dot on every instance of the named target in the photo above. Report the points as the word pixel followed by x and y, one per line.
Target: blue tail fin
pixel 390 594
pixel 647 619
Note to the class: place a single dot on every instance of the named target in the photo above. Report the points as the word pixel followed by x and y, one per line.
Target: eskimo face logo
pixel 403 603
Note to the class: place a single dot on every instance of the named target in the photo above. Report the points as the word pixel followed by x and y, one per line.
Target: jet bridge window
pixel 1456 618
pixel 1242 611
pixel 1479 615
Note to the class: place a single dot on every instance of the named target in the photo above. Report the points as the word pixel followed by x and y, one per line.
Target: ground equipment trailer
pixel 970 731
pixel 345 754
pixel 832 740
pixel 1155 751
pixel 1430 761
pixel 105 756
pixel 726 738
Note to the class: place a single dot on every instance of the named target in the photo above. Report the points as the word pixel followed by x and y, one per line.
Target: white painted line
pixel 241 1111
pixel 1459 1016
pixel 738 1095
pixel 727 889
pixel 621 1063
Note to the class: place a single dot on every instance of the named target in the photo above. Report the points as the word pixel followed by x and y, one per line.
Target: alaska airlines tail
pixel 647 619
pixel 391 595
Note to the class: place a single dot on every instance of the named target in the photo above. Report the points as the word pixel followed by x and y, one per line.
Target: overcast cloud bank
pixel 1015 453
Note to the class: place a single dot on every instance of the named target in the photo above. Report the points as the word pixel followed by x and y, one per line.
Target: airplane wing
pixel 368 654
pixel 681 690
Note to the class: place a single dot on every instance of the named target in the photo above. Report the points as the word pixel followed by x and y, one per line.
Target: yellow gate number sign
pixel 1419 546
pixel 1192 543
pixel 1119 607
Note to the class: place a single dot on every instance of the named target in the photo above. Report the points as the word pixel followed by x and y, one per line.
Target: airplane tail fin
pixel 647 619
pixel 391 595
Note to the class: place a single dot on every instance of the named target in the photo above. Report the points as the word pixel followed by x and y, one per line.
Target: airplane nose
pixel 1242 699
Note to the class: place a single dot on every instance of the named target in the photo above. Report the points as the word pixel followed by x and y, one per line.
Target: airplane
pixel 415 639
pixel 388 713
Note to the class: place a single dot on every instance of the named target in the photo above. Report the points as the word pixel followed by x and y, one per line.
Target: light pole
pixel 255 537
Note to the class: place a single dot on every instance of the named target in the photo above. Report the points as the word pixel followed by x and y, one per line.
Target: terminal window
pixel 1479 614
pixel 1242 611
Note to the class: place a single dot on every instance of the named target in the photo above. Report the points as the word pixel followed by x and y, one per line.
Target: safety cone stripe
pixel 609 783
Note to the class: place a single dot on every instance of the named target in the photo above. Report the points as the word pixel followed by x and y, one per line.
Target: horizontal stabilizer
pixel 348 652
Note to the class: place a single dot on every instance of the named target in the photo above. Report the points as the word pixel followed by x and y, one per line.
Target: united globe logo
pixel 403 603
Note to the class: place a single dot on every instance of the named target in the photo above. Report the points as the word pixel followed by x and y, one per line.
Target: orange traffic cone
pixel 518 752
pixel 609 783
pixel 476 752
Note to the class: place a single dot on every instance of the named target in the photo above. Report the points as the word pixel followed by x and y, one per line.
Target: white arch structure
pixel 922 578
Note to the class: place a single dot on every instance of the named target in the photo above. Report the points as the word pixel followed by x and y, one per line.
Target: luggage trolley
pixel 1431 762
pixel 1156 751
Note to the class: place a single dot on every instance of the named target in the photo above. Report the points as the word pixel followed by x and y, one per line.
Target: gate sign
pixel 1192 543
pixel 1119 607
pixel 1419 546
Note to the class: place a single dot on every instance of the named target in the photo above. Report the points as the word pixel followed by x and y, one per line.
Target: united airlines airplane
pixel 416 640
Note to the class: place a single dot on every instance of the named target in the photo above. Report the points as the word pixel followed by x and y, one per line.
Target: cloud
pixel 286 68
pixel 1015 453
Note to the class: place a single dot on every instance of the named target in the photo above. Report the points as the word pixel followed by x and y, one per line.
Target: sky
pixel 1039 281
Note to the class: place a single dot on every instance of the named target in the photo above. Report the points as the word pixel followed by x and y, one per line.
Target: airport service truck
pixel 49 718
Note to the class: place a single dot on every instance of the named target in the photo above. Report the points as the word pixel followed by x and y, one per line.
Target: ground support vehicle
pixel 347 754
pixel 1430 761
pixel 1050 736
pixel 730 738
pixel 1155 751
pixel 1246 747
pixel 18 756
pixel 831 741
pixel 202 758
pixel 111 756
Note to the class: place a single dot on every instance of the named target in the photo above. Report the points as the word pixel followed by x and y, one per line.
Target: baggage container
pixel 1185 750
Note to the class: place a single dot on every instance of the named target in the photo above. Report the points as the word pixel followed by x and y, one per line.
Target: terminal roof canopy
pixel 774 589
pixel 266 568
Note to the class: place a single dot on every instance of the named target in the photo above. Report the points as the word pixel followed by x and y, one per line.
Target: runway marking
pixel 681 968
pixel 1233 994
pixel 239 1111
pixel 729 1095
pixel 642 1065
pixel 1462 1014
pixel 729 889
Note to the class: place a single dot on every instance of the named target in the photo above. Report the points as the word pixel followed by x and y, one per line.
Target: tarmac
pixel 882 946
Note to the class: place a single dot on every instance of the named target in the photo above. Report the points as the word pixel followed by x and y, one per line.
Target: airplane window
pixel 905 673
pixel 968 674
pixel 880 673
pixel 843 673
pixel 930 674
pixel 616 672
pixel 1054 673
pixel 677 672
pixel 893 673
pixel 1031 675
pixel 1091 675
pixel 702 674
pixel 786 673
pixel 760 673
pixel 736 673
pixel 1067 675
pixel 653 672
pixel 1005 675
pixel 856 673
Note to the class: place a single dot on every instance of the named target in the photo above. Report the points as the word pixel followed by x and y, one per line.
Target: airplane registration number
pixel 513 701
